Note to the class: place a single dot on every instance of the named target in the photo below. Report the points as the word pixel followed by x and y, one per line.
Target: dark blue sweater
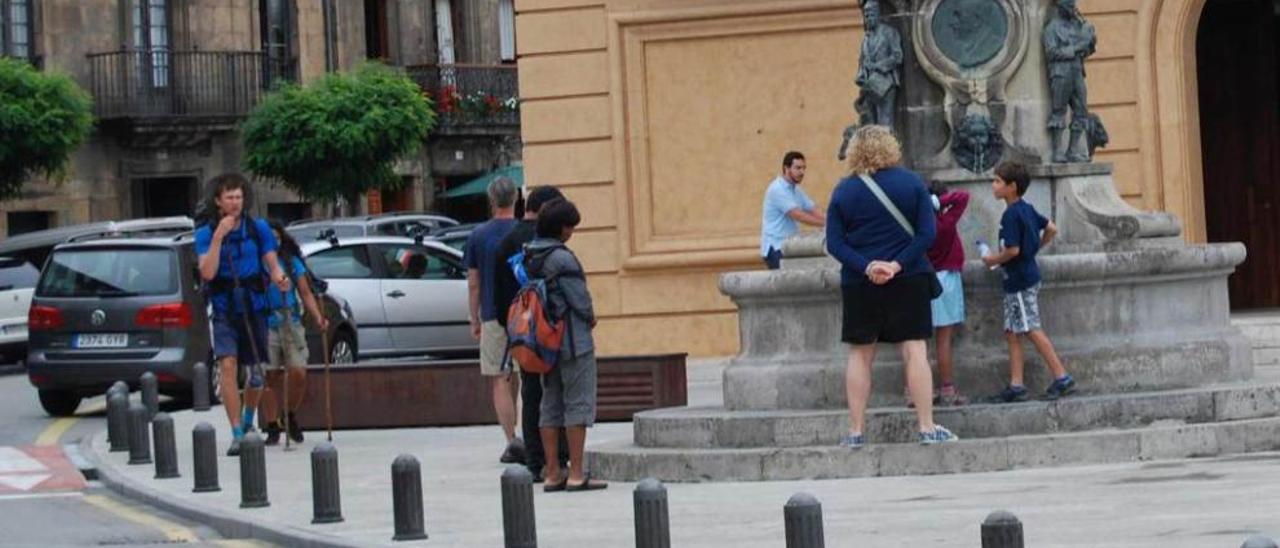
pixel 861 230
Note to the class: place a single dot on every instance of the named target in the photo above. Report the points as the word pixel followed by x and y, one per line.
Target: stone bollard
pixel 406 498
pixel 803 518
pixel 139 440
pixel 1001 529
pixel 653 526
pixel 326 497
pixel 119 386
pixel 519 527
pixel 166 447
pixel 253 472
pixel 1259 541
pixel 150 394
pixel 118 421
pixel 204 457
pixel 199 387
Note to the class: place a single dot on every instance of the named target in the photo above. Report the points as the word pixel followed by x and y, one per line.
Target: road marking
pixel 13 461
pixel 172 531
pixel 24 482
pixel 239 543
pixel 6 498
pixel 54 432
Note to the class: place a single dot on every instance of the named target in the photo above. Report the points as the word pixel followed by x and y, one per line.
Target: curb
pixel 226 524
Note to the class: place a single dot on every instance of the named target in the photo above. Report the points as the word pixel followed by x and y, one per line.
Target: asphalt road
pixel 86 516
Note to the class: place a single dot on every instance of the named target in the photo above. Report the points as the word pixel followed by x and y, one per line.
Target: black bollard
pixel 1258 541
pixel 406 498
pixel 653 526
pixel 119 386
pixel 204 457
pixel 150 394
pixel 139 440
pixel 199 387
pixel 118 420
pixel 253 472
pixel 166 447
pixel 1001 529
pixel 519 528
pixel 326 496
pixel 803 518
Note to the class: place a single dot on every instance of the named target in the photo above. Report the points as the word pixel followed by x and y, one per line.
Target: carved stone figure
pixel 1068 40
pixel 879 67
pixel 970 32
pixel 977 145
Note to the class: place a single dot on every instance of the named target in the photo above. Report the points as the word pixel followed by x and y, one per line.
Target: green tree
pixel 43 118
pixel 339 136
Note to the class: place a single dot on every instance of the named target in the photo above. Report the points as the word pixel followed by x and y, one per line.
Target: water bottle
pixel 984 250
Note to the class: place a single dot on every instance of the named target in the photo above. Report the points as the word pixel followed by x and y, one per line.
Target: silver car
pixel 409 296
pixel 404 223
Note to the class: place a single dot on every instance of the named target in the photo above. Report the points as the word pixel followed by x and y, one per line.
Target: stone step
pixel 710 428
pixel 626 462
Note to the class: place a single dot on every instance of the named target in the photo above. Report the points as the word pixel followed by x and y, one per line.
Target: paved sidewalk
pixel 1168 504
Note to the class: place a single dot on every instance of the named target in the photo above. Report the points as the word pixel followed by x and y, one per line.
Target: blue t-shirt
pixel 240 254
pixel 1020 227
pixel 481 254
pixel 277 299
pixel 861 230
pixel 775 225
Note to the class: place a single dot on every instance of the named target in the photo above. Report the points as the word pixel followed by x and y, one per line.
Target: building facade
pixel 171 79
pixel 665 120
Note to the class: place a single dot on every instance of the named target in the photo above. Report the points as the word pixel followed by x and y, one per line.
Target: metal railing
pixel 471 95
pixel 183 85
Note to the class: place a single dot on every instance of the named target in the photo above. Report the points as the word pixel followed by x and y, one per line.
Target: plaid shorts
pixel 1022 310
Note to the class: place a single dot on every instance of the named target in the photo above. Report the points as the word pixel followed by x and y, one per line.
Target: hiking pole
pixel 287 343
pixel 328 403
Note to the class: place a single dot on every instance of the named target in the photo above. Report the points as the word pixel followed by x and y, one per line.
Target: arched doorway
pixel 1239 94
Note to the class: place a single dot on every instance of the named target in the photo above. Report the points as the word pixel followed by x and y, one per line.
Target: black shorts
pixel 896 312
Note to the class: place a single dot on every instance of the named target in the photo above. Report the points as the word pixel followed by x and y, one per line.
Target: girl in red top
pixel 947 257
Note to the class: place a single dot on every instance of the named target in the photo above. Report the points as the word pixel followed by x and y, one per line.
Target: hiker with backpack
pixel 550 330
pixel 233 251
pixel 287 341
pixel 511 256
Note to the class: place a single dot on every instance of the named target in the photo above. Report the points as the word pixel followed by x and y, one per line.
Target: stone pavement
pixel 1183 503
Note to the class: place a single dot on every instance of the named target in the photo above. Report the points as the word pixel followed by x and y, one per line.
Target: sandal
pixel 562 485
pixel 586 485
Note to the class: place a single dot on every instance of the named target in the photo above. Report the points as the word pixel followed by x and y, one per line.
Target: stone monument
pixel 1140 318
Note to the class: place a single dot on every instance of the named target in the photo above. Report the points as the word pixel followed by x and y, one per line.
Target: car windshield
pixel 108 273
pixel 17 274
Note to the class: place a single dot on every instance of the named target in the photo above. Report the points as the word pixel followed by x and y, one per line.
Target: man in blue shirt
pixel 481 257
pixel 785 205
pixel 232 254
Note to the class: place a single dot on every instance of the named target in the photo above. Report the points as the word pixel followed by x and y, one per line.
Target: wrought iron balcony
pixel 161 87
pixel 471 99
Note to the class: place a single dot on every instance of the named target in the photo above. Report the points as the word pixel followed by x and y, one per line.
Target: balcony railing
pixel 471 97
pixel 158 86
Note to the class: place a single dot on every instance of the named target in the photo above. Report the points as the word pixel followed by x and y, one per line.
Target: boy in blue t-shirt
pixel 1023 231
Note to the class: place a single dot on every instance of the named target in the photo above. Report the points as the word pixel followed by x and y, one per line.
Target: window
pixel 277 43
pixel 108 273
pixel 17 274
pixel 151 39
pixel 22 222
pixel 507 30
pixel 330 34
pixel 351 262
pixel 410 262
pixel 15 18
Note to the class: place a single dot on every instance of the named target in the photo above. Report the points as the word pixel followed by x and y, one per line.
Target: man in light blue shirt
pixel 785 205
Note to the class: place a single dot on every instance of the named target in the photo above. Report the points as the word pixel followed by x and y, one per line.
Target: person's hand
pixel 225 226
pixel 989 260
pixel 881 272
pixel 475 330
pixel 282 283
pixel 322 323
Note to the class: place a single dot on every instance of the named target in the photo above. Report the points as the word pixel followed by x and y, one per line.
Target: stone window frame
pixel 9 34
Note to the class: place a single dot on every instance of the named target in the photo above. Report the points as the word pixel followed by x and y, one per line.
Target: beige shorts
pixel 276 351
pixel 493 347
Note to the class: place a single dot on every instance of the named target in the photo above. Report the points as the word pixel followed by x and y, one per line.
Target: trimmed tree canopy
pixel 43 118
pixel 339 136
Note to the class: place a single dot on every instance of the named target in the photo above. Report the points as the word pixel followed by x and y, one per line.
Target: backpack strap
pixel 888 204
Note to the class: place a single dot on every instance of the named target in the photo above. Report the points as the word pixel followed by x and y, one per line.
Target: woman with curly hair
pixel 880 224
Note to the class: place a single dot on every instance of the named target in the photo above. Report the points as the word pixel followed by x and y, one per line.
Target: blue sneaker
pixel 853 441
pixel 939 435
pixel 1061 387
pixel 1010 394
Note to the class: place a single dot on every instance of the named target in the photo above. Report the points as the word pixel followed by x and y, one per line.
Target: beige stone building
pixel 171 79
pixel 665 120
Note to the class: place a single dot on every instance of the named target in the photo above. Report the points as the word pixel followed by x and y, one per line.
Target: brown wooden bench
pixel 453 393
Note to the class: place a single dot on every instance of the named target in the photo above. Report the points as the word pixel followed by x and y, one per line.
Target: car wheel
pixel 343 348
pixel 59 403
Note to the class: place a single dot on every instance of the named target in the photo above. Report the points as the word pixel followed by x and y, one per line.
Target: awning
pixel 480 185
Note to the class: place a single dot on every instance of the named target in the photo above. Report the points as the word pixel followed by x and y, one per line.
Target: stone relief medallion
pixel 970 32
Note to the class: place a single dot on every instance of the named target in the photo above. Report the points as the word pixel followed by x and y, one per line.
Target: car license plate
pixel 102 340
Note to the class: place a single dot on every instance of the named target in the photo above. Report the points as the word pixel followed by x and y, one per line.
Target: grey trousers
pixel 569 393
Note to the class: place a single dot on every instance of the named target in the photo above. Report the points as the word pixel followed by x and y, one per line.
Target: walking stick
pixel 328 402
pixel 286 328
